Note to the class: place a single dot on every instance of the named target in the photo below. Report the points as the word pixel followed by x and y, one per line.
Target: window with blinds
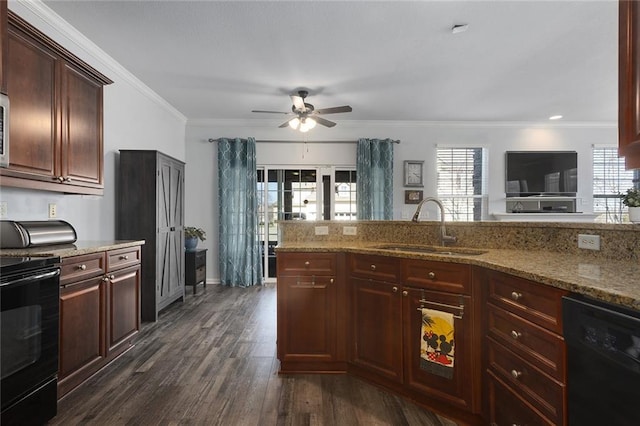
pixel 610 181
pixel 461 182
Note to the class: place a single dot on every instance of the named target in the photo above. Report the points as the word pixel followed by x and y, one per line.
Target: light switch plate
pixel 349 230
pixel 322 230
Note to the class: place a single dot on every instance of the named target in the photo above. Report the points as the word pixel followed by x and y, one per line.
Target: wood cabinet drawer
pixel 442 276
pixel 122 258
pixel 307 264
pixel 201 274
pixel 381 268
pixel 506 408
pixel 77 268
pixel 535 344
pixel 529 382
pixel 536 302
pixel 200 258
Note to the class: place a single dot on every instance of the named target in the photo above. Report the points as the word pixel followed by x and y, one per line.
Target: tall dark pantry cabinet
pixel 151 208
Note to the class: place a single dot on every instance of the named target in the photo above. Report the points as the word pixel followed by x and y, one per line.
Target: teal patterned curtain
pixel 374 167
pixel 240 260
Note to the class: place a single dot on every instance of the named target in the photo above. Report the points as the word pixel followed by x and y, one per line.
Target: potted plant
pixel 191 237
pixel 632 200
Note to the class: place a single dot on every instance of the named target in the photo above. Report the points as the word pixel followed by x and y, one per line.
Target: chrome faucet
pixel 444 238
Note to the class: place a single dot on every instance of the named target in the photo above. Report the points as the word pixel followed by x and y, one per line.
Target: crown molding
pixel 55 24
pixel 253 123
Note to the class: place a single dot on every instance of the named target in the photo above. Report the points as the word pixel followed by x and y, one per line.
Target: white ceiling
pixel 390 60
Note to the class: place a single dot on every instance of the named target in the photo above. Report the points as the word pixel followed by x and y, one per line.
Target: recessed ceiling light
pixel 459 28
pixel 555 117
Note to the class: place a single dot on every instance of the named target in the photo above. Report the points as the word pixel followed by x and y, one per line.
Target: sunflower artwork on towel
pixel 437 343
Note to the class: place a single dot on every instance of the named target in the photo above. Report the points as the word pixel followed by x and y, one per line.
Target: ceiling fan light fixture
pixel 294 123
pixel 310 122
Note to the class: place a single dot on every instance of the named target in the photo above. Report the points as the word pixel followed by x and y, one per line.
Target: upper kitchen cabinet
pixel 56 115
pixel 3 44
pixel 629 83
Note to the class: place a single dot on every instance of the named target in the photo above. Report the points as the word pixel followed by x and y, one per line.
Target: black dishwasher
pixel 603 362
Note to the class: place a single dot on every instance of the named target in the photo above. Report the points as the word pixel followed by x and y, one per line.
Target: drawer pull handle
pixel 405 293
pixel 307 263
pixel 82 267
pixel 112 277
pixel 373 267
pixel 432 275
pixel 125 257
pixel 105 279
pixel 516 374
pixel 331 281
pixel 515 334
pixel 516 296
pixel 395 289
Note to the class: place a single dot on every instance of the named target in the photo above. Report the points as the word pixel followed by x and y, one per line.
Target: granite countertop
pixel 68 250
pixel 603 279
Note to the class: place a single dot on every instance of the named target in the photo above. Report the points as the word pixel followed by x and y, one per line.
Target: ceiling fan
pixel 306 116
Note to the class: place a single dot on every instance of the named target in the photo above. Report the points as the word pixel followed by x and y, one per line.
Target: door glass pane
pixel 345 195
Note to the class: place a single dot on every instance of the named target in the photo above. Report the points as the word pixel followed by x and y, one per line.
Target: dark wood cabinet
pixel 629 83
pixel 195 268
pixel 99 312
pixel 151 208
pixel 4 45
pixel 310 312
pixel 56 121
pixel 525 354
pixel 386 327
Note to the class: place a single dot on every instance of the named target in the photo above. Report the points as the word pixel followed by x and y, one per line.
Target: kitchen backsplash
pixel 619 241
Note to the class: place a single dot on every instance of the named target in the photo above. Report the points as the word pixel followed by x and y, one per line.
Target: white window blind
pixel 610 180
pixel 461 182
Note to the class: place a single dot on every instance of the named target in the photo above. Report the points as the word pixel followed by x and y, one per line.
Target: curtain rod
pixel 211 140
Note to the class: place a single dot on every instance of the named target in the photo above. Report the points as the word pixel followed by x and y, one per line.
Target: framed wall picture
pixel 413 173
pixel 412 196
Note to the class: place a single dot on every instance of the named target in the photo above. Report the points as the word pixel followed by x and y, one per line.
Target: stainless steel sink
pixel 462 251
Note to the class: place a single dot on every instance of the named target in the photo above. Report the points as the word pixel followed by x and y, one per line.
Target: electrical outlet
pixel 589 242
pixel 349 230
pixel 53 210
pixel 322 230
pixel 3 209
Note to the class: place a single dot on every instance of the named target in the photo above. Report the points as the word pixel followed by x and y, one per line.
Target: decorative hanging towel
pixel 436 343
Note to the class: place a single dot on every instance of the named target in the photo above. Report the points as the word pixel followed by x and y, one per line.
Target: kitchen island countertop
pixel 614 281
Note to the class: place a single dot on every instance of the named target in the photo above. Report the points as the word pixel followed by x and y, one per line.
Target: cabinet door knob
pixel 82 267
pixel 373 267
pixel 307 263
pixel 405 293
pixel 516 334
pixel 105 279
pixel 60 179
pixel 331 281
pixel 516 374
pixel 112 277
pixel 516 296
pixel 432 275
pixel 395 289
pixel 67 179
pixel 124 257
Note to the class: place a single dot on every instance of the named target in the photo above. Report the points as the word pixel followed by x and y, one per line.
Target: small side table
pixel 195 267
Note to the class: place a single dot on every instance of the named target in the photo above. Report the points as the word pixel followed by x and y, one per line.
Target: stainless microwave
pixel 4 130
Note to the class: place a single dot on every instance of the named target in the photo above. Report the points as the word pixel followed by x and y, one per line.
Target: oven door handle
pixel 32 278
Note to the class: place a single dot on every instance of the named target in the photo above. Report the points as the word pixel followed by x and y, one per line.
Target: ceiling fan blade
pixel 283 125
pixel 324 121
pixel 271 112
pixel 298 103
pixel 334 110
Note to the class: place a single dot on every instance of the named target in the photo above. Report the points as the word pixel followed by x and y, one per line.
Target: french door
pixel 309 193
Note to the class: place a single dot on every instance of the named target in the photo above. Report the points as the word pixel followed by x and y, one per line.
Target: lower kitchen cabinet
pixel 525 353
pixel 310 313
pixel 99 312
pixel 376 327
pixel 387 333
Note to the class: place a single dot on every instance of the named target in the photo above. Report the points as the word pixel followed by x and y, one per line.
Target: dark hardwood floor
pixel 211 361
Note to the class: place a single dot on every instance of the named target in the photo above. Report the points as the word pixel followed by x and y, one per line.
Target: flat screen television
pixel 541 173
